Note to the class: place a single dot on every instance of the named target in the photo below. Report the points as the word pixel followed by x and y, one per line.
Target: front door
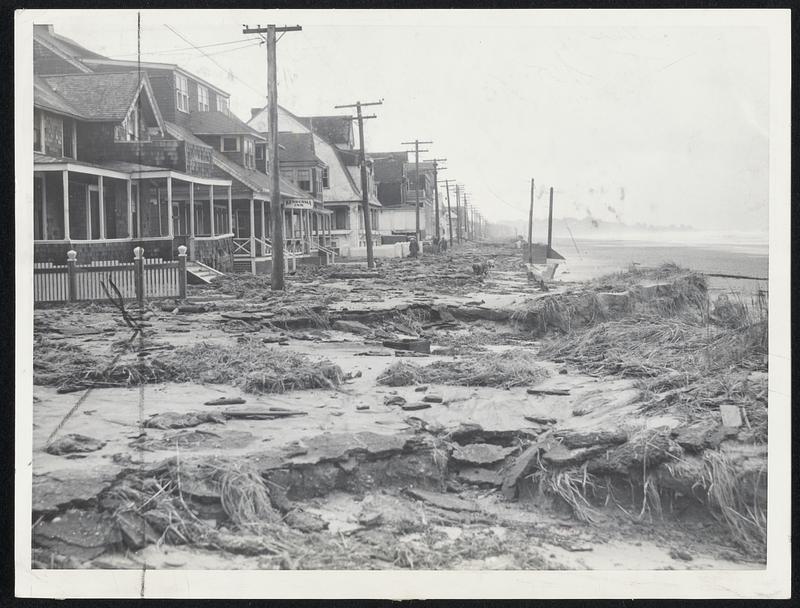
pixel 242 219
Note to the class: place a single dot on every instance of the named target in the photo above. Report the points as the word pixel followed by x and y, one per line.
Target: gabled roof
pixel 343 186
pixel 338 130
pixel 254 180
pixel 47 99
pixel 219 123
pixel 61 47
pixel 103 97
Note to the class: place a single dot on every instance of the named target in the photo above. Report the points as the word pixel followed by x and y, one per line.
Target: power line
pixel 211 59
pixel 189 48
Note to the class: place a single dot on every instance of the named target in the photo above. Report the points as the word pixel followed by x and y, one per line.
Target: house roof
pixel 46 98
pixel 389 165
pixel 106 96
pixel 215 122
pixel 66 46
pixel 344 188
pixel 252 179
pixel 297 146
pixel 337 130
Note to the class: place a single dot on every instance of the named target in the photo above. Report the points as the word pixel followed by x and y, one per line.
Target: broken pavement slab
pixel 443 501
pixel 731 416
pixel 480 453
pixel 62 489
pixel 352 327
pixel 74 443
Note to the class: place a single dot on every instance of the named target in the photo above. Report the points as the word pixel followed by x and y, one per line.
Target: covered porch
pixel 103 212
pixel 306 229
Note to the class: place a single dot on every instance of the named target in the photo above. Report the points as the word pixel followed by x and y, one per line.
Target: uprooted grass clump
pixel 250 364
pixel 664 291
pixel 503 370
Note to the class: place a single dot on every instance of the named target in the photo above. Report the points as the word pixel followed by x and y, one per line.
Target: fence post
pixel 182 272
pixel 72 275
pixel 138 274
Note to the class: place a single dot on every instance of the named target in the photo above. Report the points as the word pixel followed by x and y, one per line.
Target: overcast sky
pixel 654 124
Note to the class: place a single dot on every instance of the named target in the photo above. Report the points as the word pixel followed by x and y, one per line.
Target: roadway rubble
pixel 227 428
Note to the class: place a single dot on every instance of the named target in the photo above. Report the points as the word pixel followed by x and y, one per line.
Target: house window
pixel 202 98
pixel 325 178
pixel 287 174
pixel 230 144
pixel 222 104
pixel 304 179
pixel 38 131
pixel 260 149
pixel 249 153
pixel 68 142
pixel 182 92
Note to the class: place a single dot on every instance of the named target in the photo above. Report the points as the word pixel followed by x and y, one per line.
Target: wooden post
pixel 72 275
pixel 211 207
pixel 191 220
pixel 65 202
pixel 129 194
pixel 550 225
pixel 182 272
pixel 530 227
pixel 276 208
pixel 263 230
pixel 252 236
pixel 170 220
pixel 458 214
pixel 230 209
pixel 101 203
pixel 138 274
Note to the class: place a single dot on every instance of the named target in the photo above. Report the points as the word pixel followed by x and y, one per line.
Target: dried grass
pixel 509 368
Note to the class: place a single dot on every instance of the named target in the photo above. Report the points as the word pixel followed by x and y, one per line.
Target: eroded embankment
pixel 651 440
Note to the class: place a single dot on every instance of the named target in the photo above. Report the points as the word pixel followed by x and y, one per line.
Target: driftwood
pixel 546 391
pixel 226 401
pixel 263 414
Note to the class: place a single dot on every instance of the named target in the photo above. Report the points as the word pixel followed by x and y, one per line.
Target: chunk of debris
pixel 417 345
pixel 411 407
pixel 731 416
pixel 394 400
pixel 77 533
pixel 479 476
pixel 480 453
pixel 74 443
pixel 353 327
pixel 136 532
pixel 548 391
pixel 681 554
pixel 362 406
pixel 585 439
pixel 261 413
pixel 432 398
pixel 541 420
pixel 225 401
pixel 421 389
pixel 176 420
pixel 442 501
pixel 305 521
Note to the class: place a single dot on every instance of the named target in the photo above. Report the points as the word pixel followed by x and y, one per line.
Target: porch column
pixel 102 206
pixel 252 228
pixel 263 230
pixel 292 228
pixel 129 196
pixel 191 210
pixel 65 202
pixel 171 223
pixel 211 204
pixel 44 205
pixel 230 208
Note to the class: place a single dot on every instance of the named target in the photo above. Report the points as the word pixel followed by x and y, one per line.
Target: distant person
pixel 413 248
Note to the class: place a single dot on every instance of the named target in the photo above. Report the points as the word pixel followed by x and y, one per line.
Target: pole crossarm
pixel 263 30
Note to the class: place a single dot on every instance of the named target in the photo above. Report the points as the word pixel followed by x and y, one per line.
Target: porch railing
pixel 143 278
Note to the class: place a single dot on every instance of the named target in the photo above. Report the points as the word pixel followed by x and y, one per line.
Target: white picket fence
pixel 140 279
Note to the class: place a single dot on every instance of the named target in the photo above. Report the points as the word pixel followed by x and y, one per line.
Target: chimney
pixel 43 28
pixel 255 112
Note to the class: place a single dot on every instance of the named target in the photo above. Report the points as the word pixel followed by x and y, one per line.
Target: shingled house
pixel 396 180
pixel 334 172
pixel 154 145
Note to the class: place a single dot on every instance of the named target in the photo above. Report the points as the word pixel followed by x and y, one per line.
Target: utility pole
pixel 550 225
pixel 458 214
pixel 436 162
pixel 449 212
pixel 276 206
pixel 530 228
pixel 416 144
pixel 364 189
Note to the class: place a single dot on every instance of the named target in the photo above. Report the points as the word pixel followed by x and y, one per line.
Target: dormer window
pixel 202 98
pixel 230 144
pixel 222 104
pixel 182 92
pixel 304 179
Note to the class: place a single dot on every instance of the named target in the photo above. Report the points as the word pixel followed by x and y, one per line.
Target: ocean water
pixel 724 253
